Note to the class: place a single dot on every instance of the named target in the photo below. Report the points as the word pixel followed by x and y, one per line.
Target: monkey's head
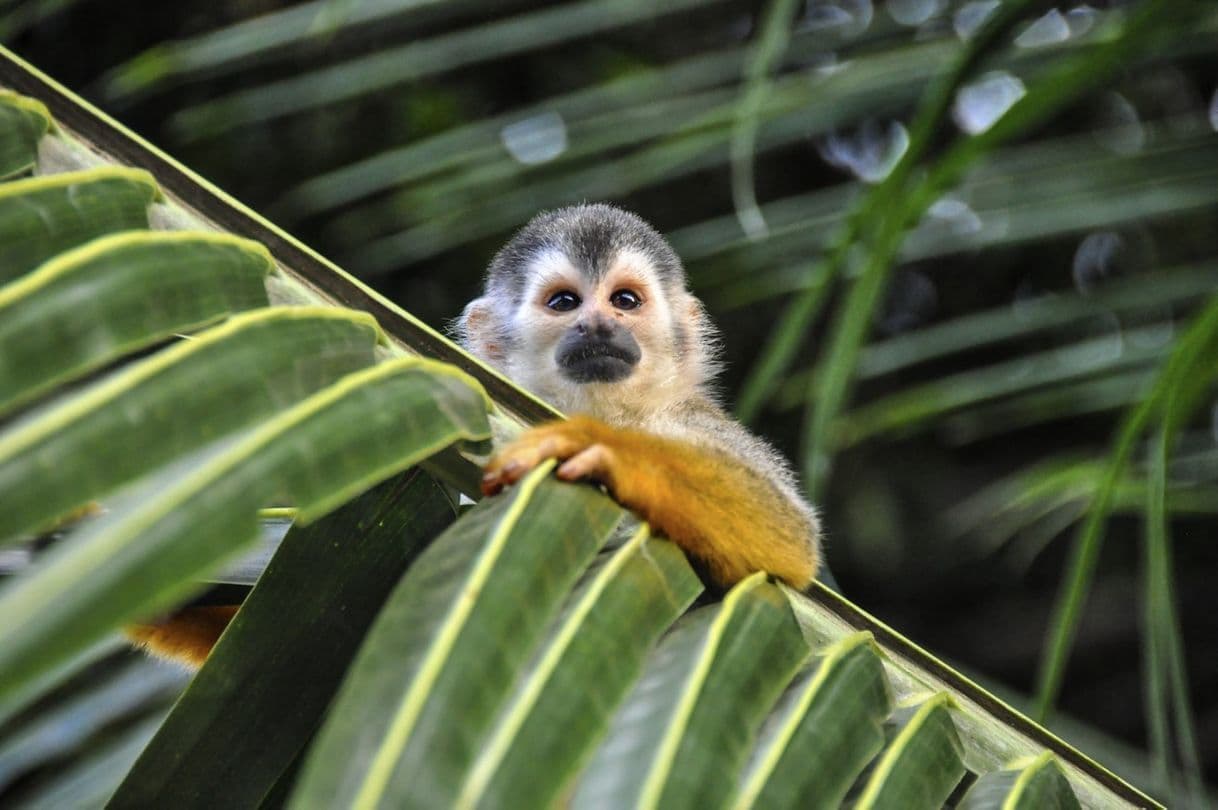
pixel 587 307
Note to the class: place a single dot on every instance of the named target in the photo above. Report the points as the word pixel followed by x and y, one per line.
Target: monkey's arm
pixel 733 519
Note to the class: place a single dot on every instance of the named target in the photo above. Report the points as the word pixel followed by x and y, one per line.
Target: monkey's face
pixel 587 307
pixel 608 333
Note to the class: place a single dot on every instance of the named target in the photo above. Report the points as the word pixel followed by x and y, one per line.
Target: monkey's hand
pixel 730 518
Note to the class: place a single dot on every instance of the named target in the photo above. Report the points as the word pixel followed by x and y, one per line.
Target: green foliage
pixel 1040 784
pixel 922 763
pixel 331 577
pixel 183 446
pixel 41 217
pixel 178 401
pixel 682 735
pixel 447 646
pixel 592 653
pixel 328 85
pixel 23 122
pixel 499 644
pixel 795 763
pixel 189 279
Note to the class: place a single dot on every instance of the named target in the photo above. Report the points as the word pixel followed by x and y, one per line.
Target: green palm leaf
pixel 923 763
pixel 509 639
pixel 42 216
pixel 318 453
pixel 268 672
pixel 174 402
pixel 677 740
pixel 563 702
pixel 828 727
pixel 439 662
pixel 23 122
pixel 1040 784
pixel 97 297
pixel 378 71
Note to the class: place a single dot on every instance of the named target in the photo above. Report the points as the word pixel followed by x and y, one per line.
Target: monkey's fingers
pixel 514 461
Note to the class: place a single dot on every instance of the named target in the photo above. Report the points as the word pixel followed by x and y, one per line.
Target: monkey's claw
pixel 518 458
pixel 494 480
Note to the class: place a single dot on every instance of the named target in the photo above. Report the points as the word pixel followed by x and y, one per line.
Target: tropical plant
pixel 173 365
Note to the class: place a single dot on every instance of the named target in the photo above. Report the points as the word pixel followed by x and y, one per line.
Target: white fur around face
pixel 664 376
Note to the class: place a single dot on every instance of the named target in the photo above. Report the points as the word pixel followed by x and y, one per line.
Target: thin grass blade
pixel 482 140
pixel 922 404
pixel 1195 346
pixel 276 34
pixel 60 728
pixel 1170 287
pixel 91 779
pixel 1168 701
pixel 1048 96
pixel 767 54
pixel 68 673
pixel 787 335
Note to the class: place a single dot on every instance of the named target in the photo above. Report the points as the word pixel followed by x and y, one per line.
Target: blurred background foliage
pixel 971 368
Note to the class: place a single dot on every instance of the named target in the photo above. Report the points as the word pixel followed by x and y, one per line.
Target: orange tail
pixel 187 636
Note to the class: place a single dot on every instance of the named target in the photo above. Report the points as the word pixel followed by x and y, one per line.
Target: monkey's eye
pixel 564 301
pixel 626 299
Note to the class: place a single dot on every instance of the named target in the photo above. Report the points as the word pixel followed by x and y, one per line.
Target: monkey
pixel 588 307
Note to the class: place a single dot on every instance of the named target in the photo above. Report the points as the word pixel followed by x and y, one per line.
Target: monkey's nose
pixel 599 327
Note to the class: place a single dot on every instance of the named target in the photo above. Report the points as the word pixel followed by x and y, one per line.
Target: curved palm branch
pixel 541 646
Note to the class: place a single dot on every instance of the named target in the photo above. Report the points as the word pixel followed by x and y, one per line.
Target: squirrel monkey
pixel 587 307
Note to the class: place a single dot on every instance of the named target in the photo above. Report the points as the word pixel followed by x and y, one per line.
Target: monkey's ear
pixel 702 339
pixel 700 324
pixel 480 331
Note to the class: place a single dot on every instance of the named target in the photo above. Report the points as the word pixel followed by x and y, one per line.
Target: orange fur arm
pixel 727 516
pixel 187 636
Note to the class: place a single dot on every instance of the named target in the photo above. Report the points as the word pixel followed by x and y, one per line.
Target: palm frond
pixel 506 615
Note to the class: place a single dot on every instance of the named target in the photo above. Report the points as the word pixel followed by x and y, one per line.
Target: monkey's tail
pixel 187 636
